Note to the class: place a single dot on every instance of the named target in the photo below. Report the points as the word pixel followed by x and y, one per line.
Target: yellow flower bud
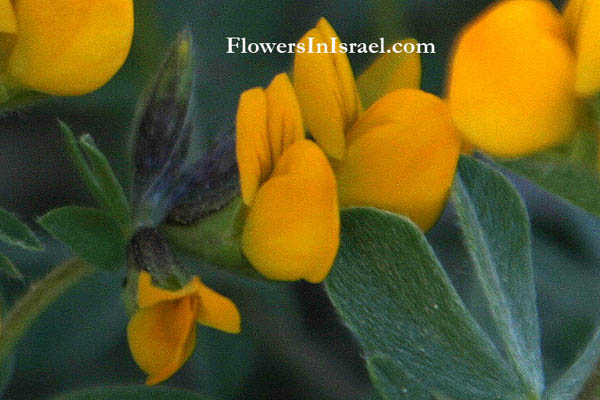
pixel 162 333
pixel 66 47
pixel 326 82
pixel 291 230
pixel 401 157
pixel 511 82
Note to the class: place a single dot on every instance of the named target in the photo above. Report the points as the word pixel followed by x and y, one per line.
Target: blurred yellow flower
pixel 401 153
pixel 162 333
pixel 292 228
pixel 519 72
pixel 63 47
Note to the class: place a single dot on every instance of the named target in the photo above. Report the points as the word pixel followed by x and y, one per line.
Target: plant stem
pixel 40 296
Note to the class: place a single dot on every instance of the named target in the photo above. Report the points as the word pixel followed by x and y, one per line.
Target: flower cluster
pixel 309 145
pixel 518 78
pixel 319 140
pixel 399 155
pixel 46 49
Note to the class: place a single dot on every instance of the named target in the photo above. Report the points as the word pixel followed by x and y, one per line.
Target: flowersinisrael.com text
pixel 241 45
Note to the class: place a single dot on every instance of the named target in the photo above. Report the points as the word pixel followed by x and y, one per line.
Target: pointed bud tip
pixel 184 46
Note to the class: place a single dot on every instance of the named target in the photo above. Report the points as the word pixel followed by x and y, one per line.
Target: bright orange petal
pixel 405 162
pixel 326 89
pixel 389 72
pixel 218 311
pixel 267 122
pixel 162 337
pixel 346 82
pixel 292 229
pixel 511 80
pixel 252 150
pixel 283 116
pixel 149 295
pixel 70 47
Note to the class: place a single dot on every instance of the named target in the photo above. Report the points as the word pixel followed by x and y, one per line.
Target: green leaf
pixel 391 382
pixel 576 184
pixel 9 269
pixel 568 386
pixel 496 231
pixel 99 177
pixel 133 392
pixel 570 172
pixel 391 290
pixel 91 233
pixel 16 233
pixel 115 200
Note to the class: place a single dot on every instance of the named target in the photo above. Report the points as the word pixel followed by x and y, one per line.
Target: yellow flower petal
pixel 162 337
pixel 584 17
pixel 511 80
pixel 254 158
pixel 572 14
pixel 292 229
pixel 149 295
pixel 389 72
pixel 402 158
pixel 326 89
pixel 8 22
pixel 284 119
pixel 218 311
pixel 70 47
pixel 267 122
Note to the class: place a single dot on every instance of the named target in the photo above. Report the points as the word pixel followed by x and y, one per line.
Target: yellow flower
pixel 63 47
pixel 162 333
pixel 401 153
pixel 291 230
pixel 518 73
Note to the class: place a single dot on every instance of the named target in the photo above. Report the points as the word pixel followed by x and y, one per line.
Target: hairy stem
pixel 40 296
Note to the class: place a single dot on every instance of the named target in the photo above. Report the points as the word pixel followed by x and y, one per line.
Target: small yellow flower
pixel 162 333
pixel 291 230
pixel 63 47
pixel 519 72
pixel 401 153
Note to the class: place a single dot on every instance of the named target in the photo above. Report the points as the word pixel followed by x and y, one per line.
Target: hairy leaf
pixel 496 231
pixel 391 290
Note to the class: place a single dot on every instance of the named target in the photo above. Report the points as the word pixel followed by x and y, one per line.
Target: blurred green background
pixel 292 345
